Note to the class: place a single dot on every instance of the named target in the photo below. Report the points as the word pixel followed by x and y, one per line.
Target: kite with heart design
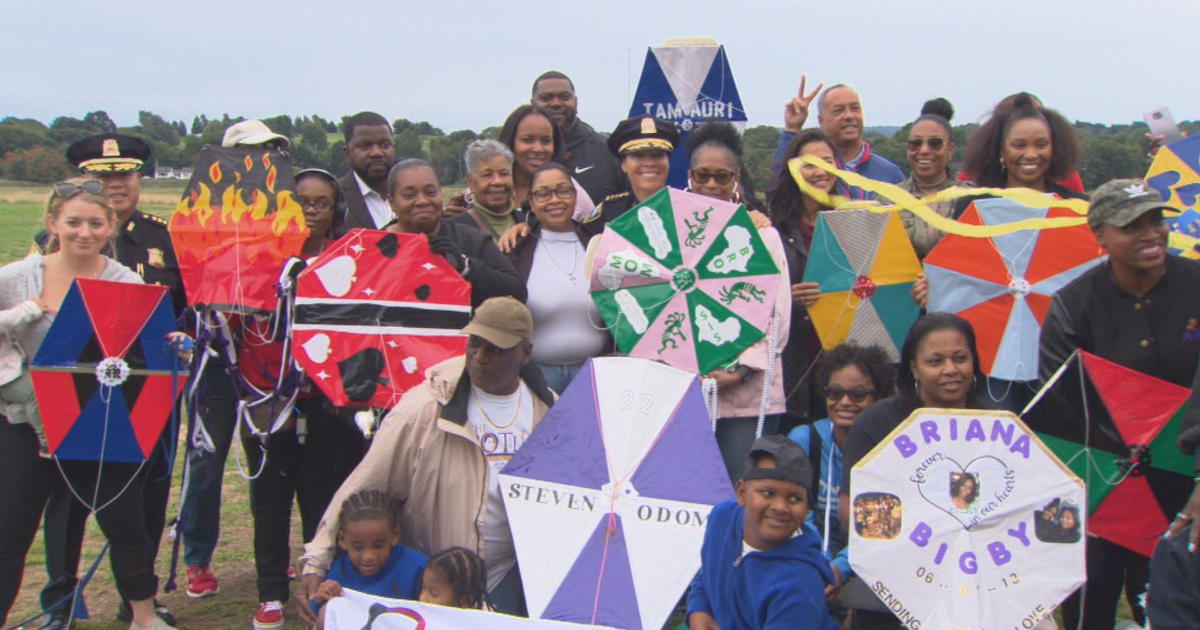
pixel 373 312
pixel 955 521
pixel 684 279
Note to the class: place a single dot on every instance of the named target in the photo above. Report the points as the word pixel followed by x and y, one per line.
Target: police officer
pixel 142 244
pixel 643 145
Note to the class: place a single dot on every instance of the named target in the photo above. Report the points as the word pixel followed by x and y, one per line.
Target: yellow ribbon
pixel 903 200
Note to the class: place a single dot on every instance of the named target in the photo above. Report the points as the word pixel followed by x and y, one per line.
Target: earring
pixel 1003 168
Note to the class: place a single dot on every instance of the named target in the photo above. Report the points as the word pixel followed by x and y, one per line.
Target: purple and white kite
pixel 609 496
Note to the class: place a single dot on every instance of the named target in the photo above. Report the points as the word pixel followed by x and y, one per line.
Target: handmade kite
pixel 964 519
pixel 684 279
pixel 866 267
pixel 689 82
pixel 1175 174
pixel 1003 285
pixel 624 471
pixel 373 312
pixel 106 376
pixel 1116 428
pixel 235 226
pixel 353 610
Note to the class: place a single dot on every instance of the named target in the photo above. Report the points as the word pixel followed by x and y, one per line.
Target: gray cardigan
pixel 22 280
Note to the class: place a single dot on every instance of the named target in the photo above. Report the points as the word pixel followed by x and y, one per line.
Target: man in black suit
pixel 370 151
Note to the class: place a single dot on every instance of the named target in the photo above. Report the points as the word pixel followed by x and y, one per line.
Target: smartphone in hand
pixel 1163 124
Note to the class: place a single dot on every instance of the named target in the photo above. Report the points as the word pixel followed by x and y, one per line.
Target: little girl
pixel 455 577
pixel 16 386
pixel 372 560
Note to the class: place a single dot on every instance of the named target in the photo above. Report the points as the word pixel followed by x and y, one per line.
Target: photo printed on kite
pixel 1058 522
pixel 878 515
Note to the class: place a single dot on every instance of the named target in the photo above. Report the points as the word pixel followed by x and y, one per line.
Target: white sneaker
pixel 157 624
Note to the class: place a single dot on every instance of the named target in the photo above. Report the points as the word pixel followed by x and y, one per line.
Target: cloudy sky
pixel 467 64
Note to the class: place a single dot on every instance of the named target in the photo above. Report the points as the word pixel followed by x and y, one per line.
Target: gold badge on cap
pixel 648 126
pixel 154 257
pixel 110 148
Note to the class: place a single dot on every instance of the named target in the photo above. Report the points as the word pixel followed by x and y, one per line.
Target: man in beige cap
pixel 485 402
pixel 1140 309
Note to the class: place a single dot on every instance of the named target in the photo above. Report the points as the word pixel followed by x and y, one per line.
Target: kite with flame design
pixel 237 223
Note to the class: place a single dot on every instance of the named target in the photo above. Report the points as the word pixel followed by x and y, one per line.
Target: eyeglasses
pixel 565 192
pixel 914 144
pixel 320 204
pixel 722 177
pixel 857 394
pixel 66 189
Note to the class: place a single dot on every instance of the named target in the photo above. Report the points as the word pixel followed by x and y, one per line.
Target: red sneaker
pixel 291 573
pixel 269 616
pixel 201 582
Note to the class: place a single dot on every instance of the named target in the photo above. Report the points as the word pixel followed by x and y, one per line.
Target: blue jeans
pixel 200 513
pixel 558 376
pixel 734 437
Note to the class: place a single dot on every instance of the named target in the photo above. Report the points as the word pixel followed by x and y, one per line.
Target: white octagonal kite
pixel 964 519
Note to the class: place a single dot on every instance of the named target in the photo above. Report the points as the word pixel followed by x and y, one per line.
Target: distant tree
pixel 400 125
pixel 198 123
pixel 408 144
pixel 490 132
pixel 425 129
pixel 151 126
pixel 312 135
pixel 100 121
pixel 446 155
pixel 36 164
pixel 758 152
pixel 16 133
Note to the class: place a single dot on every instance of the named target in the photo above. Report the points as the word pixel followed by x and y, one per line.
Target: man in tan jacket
pixel 439 450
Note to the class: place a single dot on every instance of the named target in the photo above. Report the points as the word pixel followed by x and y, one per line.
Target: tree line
pixel 33 151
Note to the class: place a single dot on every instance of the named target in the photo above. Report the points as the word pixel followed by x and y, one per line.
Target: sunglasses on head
pixel 856 394
pixel 934 143
pixel 66 189
pixel 722 177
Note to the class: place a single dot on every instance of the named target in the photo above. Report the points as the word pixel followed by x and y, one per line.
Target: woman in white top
pixel 551 261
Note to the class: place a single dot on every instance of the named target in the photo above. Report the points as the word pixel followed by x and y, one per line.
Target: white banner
pixel 359 611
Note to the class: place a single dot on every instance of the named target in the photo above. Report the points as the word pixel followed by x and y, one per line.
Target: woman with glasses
pixel 930 148
pixel 852 378
pixel 567 329
pixel 81 224
pixel 714 153
pixel 939 363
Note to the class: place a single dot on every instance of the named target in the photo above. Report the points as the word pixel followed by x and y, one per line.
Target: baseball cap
pixel 503 321
pixel 1120 201
pixel 251 132
pixel 791 464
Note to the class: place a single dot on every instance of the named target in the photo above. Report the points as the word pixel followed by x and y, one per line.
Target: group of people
pixel 413 509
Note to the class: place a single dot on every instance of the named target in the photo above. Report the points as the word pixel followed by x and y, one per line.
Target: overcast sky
pixel 467 64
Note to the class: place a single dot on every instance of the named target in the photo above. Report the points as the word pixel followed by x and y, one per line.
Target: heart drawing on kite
pixel 980 487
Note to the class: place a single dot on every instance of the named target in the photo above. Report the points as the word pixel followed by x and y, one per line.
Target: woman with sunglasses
pixel 930 149
pixel 714 153
pixel 852 378
pixel 567 329
pixel 81 224
pixel 938 367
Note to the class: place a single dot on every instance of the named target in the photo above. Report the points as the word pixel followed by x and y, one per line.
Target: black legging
pixel 26 481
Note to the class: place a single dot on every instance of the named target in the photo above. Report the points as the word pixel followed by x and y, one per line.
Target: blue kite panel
pixel 601 580
pixel 85 439
pixel 68 335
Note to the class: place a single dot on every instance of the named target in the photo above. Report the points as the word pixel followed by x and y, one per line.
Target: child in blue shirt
pixel 761 569
pixel 371 559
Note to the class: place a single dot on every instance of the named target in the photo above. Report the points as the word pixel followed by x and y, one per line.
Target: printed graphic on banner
pixel 359 611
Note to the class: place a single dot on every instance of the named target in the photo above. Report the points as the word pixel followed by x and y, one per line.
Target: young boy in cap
pixel 760 567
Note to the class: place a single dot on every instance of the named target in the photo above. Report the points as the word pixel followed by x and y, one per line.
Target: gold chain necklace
pixel 498 427
pixel 570 274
